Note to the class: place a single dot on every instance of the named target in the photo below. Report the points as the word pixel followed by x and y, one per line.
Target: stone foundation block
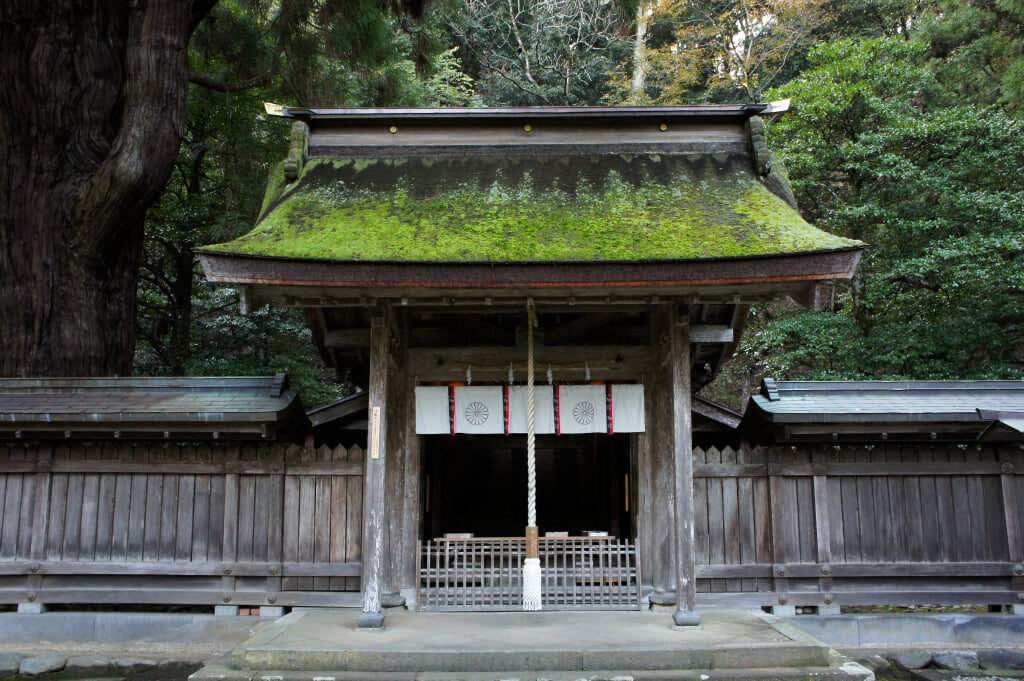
pixel 43 664
pixel 912 659
pixel 957 660
pixel 31 608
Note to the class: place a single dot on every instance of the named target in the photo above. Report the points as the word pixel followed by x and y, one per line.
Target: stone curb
pixel 42 664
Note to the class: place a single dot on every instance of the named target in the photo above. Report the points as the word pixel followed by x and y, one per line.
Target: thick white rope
pixel 531 440
pixel 531 565
pixel 531 584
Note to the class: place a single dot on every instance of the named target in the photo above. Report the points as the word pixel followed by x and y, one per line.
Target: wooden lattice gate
pixel 579 573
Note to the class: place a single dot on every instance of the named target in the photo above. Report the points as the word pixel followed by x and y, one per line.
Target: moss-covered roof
pixel 528 209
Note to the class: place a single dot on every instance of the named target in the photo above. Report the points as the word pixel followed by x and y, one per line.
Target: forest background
pixel 906 130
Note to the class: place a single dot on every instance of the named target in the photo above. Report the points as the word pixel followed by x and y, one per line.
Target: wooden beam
pixel 317 325
pixel 518 279
pixel 373 496
pixel 182 568
pixel 449 364
pixel 711 333
pixel 686 573
pixel 476 327
pixel 347 338
pixel 857 570
pixel 903 597
pixel 95 467
pixel 566 299
pixel 887 469
pixel 722 416
pixel 809 297
pixel 161 595
pixel 738 323
pixel 572 331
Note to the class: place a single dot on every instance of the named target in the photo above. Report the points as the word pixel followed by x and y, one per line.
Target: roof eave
pixel 428 279
pixel 609 113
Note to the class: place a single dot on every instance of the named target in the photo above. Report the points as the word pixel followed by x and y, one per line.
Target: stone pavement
pixel 313 644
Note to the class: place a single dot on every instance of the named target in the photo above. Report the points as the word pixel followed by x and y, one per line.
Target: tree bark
pixel 92 100
pixel 644 11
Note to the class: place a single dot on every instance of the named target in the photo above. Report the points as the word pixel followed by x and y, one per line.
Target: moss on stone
pixel 527 209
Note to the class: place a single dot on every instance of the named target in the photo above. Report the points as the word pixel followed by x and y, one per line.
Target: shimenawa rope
pixel 531 565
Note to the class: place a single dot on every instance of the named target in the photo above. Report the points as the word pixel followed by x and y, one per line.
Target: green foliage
pixel 977 50
pixel 878 150
pixel 864 19
pixel 352 53
pixel 209 198
pixel 449 85
pixel 320 53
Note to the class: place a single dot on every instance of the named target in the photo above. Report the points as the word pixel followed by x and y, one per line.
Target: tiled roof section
pixel 146 408
pixel 336 414
pixel 960 410
pixel 891 400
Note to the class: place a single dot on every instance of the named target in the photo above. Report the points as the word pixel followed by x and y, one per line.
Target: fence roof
pixel 963 411
pixel 254 408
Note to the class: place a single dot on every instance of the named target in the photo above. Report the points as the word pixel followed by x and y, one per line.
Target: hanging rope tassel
pixel 531 566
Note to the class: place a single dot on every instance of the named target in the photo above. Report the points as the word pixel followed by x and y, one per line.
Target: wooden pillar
pixel 823 539
pixel 1014 530
pixel 666 522
pixel 374 472
pixel 412 510
pixel 398 397
pixel 40 530
pixel 229 546
pixel 656 510
pixel 682 450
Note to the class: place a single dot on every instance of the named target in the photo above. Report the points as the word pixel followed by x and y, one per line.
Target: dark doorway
pixel 477 484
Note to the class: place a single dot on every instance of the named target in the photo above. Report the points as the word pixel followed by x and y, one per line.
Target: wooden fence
pixel 897 525
pixel 180 524
pixel 273 525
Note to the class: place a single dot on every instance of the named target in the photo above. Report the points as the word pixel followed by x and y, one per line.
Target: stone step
pixel 727 656
pixel 843 672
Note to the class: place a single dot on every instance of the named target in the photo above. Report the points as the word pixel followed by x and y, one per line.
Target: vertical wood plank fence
pixel 892 525
pixel 136 523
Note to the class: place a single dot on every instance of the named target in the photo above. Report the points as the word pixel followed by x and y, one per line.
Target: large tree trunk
pixel 92 97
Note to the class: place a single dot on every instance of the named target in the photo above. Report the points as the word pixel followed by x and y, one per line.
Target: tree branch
pixel 221 86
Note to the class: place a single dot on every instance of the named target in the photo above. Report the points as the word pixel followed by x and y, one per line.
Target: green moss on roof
pixel 527 209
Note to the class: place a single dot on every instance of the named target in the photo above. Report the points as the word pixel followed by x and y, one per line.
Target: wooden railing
pixel 180 524
pixel 578 573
